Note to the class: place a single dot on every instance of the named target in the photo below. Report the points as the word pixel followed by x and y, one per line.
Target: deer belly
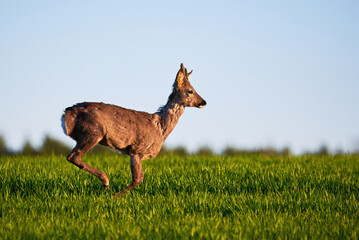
pixel 119 140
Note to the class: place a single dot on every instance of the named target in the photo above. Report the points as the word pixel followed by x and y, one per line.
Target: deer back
pixel 119 128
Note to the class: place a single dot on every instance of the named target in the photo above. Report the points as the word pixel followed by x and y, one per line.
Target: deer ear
pixel 180 79
pixel 189 74
pixel 185 70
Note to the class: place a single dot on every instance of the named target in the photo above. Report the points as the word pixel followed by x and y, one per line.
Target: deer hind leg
pixel 75 158
pixel 137 175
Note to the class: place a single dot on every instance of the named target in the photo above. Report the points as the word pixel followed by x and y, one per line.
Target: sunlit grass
pixel 182 197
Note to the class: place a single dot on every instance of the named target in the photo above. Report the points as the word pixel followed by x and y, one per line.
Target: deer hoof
pixel 119 194
pixel 107 187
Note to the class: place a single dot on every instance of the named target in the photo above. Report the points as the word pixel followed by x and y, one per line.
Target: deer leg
pixel 137 175
pixel 75 158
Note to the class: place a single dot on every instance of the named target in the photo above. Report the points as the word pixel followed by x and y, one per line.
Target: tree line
pixel 51 146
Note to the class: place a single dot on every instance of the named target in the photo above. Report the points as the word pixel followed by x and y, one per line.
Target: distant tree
pixel 164 151
pixel 28 149
pixel 53 146
pixel 323 151
pixel 180 151
pixel 204 151
pixel 269 151
pixel 231 151
pixel 3 149
pixel 339 152
pixel 356 149
pixel 285 151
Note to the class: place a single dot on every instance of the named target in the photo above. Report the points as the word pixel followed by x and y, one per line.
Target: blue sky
pixel 274 73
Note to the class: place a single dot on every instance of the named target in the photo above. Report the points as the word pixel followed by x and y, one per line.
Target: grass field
pixel 181 198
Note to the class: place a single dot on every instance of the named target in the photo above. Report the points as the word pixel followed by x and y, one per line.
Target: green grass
pixel 182 198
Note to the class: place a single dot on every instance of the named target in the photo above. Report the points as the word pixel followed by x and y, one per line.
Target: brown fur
pixel 135 133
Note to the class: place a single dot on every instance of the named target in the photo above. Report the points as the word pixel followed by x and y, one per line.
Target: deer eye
pixel 190 92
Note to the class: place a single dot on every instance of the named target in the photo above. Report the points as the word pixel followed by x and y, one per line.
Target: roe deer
pixel 138 134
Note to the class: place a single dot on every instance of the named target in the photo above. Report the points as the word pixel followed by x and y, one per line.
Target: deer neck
pixel 170 114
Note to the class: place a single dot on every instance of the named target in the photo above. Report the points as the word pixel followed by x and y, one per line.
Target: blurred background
pixel 275 74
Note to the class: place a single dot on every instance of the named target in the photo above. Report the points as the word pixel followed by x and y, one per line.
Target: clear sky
pixel 274 73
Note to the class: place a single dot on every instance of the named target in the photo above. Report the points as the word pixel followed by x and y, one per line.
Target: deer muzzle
pixel 202 104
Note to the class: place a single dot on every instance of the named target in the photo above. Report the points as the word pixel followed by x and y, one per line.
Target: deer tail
pixel 68 120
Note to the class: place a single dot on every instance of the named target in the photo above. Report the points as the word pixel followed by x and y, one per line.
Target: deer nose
pixel 202 104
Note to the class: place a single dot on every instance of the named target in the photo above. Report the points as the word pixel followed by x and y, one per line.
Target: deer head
pixel 183 92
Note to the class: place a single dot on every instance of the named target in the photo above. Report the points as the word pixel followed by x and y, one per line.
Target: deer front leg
pixel 137 175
